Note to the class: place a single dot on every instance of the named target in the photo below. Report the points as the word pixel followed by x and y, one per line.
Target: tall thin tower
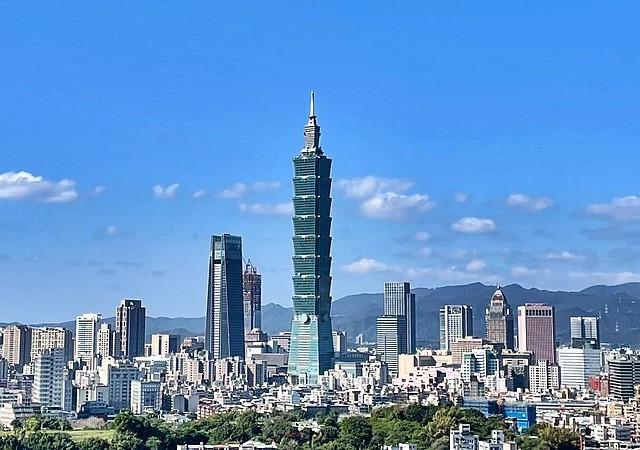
pixel 224 335
pixel 311 348
pixel 252 293
pixel 499 320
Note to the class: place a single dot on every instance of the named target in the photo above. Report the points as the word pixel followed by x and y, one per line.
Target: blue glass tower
pixel 224 335
pixel 311 349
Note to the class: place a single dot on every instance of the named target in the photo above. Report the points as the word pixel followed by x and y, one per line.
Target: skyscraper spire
pixel 312 130
pixel 312 106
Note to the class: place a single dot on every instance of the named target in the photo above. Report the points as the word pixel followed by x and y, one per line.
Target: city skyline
pixel 152 133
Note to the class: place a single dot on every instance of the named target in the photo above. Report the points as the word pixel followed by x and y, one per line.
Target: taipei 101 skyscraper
pixel 311 349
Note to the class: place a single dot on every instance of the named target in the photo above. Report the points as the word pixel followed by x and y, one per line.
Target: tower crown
pixel 312 130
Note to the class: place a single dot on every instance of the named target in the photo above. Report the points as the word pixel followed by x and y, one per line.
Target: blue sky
pixel 489 141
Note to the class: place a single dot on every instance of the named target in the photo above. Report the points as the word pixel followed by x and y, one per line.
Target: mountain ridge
pixel 618 306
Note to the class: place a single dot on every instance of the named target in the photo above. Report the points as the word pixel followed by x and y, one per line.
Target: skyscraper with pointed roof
pixel 499 319
pixel 311 348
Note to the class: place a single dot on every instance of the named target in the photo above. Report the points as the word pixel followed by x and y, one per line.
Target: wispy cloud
pixel 390 205
pixel 461 197
pixel 527 203
pixel 26 186
pixel 476 265
pixel 199 194
pixel 384 198
pixel 525 272
pixel 564 255
pixel 110 231
pixel 620 208
pixel 474 225
pixel 267 209
pixel 366 265
pixel 451 274
pixel 165 193
pixel 611 278
pixel 362 187
pixel 98 190
pixel 240 189
pixel 421 236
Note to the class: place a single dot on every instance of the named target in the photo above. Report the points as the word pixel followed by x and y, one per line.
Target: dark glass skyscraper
pixel 224 335
pixel 130 328
pixel 311 348
pixel 499 319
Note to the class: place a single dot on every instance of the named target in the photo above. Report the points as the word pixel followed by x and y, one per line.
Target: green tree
pixel 276 428
pixel 127 441
pixel 356 432
pixel 33 424
pixel 93 443
pixel 38 440
pixel 9 442
pixel 559 438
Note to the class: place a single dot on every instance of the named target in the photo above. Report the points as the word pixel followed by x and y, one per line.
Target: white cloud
pixel 98 190
pixel 474 225
pixel 384 198
pixel 24 185
pixel 261 186
pixel 461 197
pixel 620 208
pixel 111 230
pixel 606 277
pixel 425 251
pixel 476 265
pixel 421 236
pixel 366 265
pixel 390 205
pixel 564 256
pixel 522 271
pixel 448 274
pixel 527 203
pixel 165 192
pixel 369 185
pixel 199 194
pixel 266 209
pixel 239 189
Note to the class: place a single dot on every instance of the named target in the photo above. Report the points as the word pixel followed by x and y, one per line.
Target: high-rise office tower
pixel 87 327
pixel 252 297
pixel 16 347
pixel 499 319
pixel 48 378
pixel 224 334
pixel 578 365
pixel 339 342
pixel 624 376
pixel 537 331
pixel 164 344
pixel 130 327
pixel 585 332
pixel 46 338
pixel 107 344
pixel 391 340
pixel 399 301
pixel 311 349
pixel 456 322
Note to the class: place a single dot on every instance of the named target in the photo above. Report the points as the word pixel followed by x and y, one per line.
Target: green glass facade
pixel 311 349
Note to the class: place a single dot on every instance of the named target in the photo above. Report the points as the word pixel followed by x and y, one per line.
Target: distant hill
pixel 617 306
